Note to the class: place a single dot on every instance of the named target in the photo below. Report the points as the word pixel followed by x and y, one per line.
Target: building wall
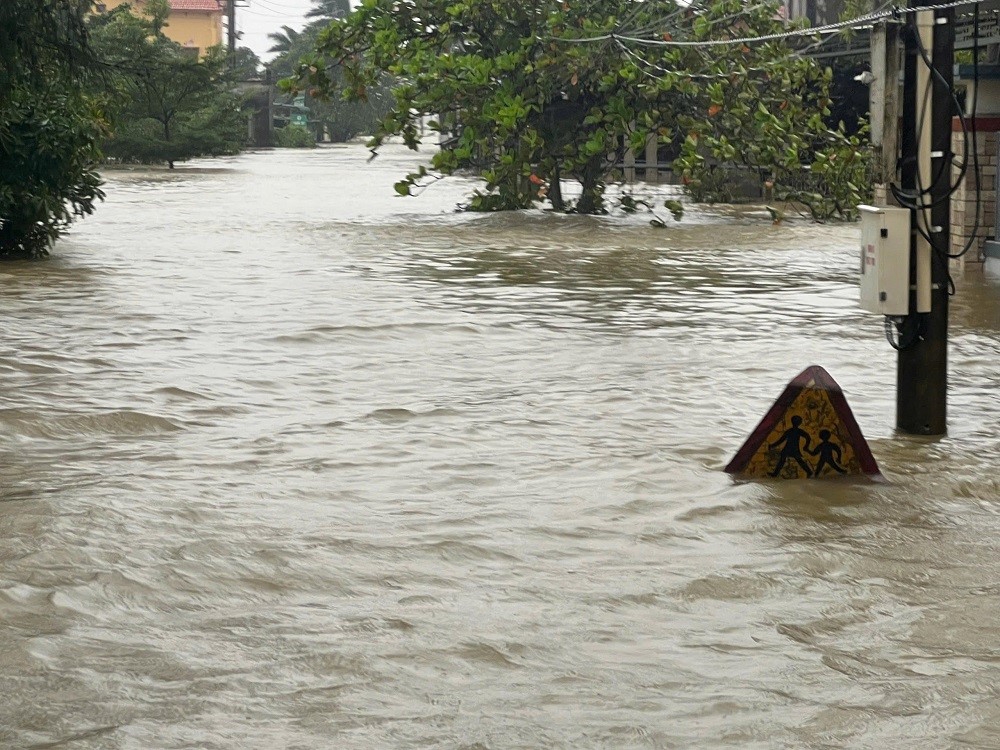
pixel 195 29
pixel 192 29
pixel 963 202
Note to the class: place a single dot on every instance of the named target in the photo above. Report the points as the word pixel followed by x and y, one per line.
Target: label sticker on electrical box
pixel 810 432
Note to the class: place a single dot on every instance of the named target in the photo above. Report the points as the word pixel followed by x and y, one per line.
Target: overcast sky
pixel 256 18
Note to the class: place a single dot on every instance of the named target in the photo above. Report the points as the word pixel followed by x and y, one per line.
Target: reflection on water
pixel 286 461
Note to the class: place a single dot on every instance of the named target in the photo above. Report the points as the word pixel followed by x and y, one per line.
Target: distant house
pixel 196 25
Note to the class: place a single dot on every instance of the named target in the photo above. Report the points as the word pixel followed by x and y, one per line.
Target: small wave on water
pixel 399 415
pixel 120 423
pixel 182 394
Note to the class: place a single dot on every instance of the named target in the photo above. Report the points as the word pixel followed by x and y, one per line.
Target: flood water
pixel 289 462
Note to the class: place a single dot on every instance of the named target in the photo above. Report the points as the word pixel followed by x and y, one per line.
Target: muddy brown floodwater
pixel 289 462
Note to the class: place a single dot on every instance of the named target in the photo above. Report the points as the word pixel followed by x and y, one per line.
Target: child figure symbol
pixel 792 440
pixel 829 454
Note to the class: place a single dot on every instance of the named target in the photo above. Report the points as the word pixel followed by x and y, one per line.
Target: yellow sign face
pixel 809 440
pixel 808 433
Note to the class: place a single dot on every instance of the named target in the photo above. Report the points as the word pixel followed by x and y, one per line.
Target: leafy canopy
pixel 341 119
pixel 49 129
pixel 528 93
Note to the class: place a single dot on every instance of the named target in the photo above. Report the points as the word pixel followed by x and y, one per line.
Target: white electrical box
pixel 885 259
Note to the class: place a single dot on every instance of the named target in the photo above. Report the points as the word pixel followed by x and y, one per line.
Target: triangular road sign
pixel 809 432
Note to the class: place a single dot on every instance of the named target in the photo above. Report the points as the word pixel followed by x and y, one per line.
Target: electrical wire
pixel 657 27
pixel 922 207
pixel 274 5
pixel 911 329
pixel 975 130
pixel 646 65
pixel 909 200
pixel 832 28
pixel 811 31
pixel 274 15
pixel 941 255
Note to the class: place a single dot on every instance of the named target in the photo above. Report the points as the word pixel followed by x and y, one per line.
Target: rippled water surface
pixel 288 462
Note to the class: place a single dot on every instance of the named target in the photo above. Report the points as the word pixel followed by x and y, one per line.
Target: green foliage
pixel 517 96
pixel 294 136
pixel 164 104
pixel 837 180
pixel 329 9
pixel 340 118
pixel 284 40
pixel 49 130
pixel 39 38
pixel 713 185
pixel 676 208
pixel 245 65
pixel 857 8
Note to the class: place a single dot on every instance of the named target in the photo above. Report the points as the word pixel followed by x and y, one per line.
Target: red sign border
pixel 822 380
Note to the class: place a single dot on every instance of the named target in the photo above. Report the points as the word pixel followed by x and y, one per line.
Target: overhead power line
pixel 831 28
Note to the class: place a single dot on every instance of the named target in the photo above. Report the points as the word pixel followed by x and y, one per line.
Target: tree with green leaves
pixel 165 105
pixel 244 65
pixel 329 9
pixel 284 40
pixel 49 127
pixel 532 93
pixel 341 119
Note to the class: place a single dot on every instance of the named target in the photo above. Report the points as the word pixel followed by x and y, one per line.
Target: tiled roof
pixel 209 5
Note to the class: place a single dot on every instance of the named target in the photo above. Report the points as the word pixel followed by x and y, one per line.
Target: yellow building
pixel 194 24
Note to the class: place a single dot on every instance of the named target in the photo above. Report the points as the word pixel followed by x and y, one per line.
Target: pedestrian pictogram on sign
pixel 809 432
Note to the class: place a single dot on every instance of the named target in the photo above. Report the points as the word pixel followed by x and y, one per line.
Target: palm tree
pixel 330 9
pixel 283 41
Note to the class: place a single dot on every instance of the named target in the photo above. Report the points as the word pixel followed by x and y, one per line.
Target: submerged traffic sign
pixel 810 432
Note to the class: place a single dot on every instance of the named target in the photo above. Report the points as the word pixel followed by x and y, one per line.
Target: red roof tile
pixel 214 6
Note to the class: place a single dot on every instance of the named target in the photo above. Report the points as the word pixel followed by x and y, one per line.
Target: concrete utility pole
pixel 922 367
pixel 884 106
pixel 231 20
